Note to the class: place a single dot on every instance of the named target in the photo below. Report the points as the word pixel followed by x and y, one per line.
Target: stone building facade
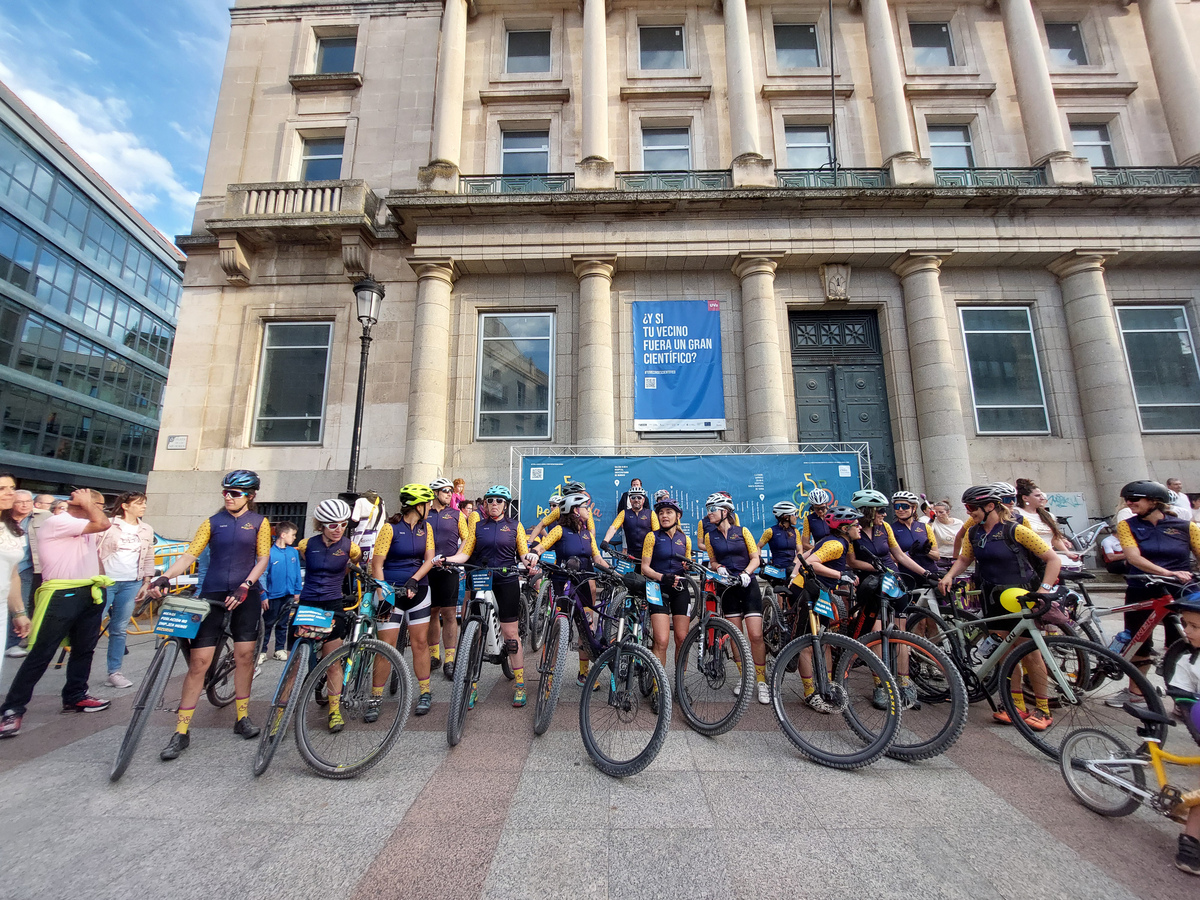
pixel 971 241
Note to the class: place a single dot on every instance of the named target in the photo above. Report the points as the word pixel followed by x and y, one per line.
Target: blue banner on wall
pixel 756 481
pixel 677 384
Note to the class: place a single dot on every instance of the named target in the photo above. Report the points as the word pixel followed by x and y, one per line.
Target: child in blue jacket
pixel 280 584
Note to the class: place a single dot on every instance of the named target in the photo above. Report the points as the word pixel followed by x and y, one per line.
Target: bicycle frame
pixel 1154 759
pixel 1158 614
pixel 578 611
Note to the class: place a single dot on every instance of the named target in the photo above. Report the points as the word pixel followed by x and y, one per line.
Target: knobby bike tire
pixel 1093 674
pixel 522 616
pixel 362 679
pixel 149 695
pixel 470 651
pixel 858 742
pixel 1090 745
pixel 540 612
pixel 274 730
pixel 937 631
pixel 219 684
pixel 621 700
pixel 705 673
pixel 612 604
pixel 933 725
pixel 506 665
pixel 772 622
pixel 552 668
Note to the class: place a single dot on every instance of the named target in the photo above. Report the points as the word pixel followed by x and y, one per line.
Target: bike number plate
pixel 623 566
pixel 824 605
pixel 550 556
pixel 178 623
pixel 481 581
pixel 313 618
pixel 654 592
pixel 774 572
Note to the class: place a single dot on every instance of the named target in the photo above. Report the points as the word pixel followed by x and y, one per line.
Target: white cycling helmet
pixel 330 512
pixel 440 484
pixel 868 499
pixel 907 496
pixel 784 508
pixel 573 501
pixel 820 497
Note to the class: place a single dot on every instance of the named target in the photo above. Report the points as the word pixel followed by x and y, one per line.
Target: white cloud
pixel 79 54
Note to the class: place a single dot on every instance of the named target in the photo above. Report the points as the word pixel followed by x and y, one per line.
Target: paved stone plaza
pixel 509 815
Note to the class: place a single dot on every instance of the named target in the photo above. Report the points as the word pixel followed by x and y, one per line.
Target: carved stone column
pixel 429 387
pixel 766 405
pixel 595 407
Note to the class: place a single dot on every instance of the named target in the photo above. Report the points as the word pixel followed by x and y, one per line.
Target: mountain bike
pixel 178 621
pixel 540 609
pixel 373 717
pixel 782 619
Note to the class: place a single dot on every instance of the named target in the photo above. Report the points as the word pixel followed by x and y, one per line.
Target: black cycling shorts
pixel 675 602
pixel 243 622
pixel 443 587
pixel 508 598
pixel 742 601
pixel 989 605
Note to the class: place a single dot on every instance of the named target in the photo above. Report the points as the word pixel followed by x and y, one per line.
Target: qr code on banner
pixel 536 473
pixel 651 383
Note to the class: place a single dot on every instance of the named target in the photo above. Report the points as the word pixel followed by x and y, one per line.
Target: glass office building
pixel 89 295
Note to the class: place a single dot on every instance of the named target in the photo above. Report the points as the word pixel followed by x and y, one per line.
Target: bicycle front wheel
pixel 622 730
pixel 934 701
pixel 551 669
pixel 218 682
pixel 772 622
pixel 283 705
pixel 149 695
pixel 538 601
pixel 836 724
pixel 1095 766
pixel 707 674
pixel 1093 674
pixel 470 652
pixel 359 744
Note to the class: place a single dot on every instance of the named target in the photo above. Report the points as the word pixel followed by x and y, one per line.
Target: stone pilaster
pixel 935 375
pixel 766 406
pixel 595 405
pixel 1176 75
pixel 1110 417
pixel 442 172
pixel 429 386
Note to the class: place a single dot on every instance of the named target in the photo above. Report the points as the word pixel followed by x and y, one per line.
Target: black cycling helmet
pixel 241 480
pixel 1146 490
pixel 666 503
pixel 980 494
pixel 1189 602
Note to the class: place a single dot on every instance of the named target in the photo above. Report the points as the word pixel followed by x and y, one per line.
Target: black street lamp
pixel 368 294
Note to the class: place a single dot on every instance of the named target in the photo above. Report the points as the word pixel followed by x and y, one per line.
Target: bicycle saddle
pixel 1148 716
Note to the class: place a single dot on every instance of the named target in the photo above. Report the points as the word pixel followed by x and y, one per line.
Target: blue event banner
pixel 677 384
pixel 757 482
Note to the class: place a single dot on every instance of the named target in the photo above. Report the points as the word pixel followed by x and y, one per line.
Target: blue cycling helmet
pixel 241 480
pixel 498 490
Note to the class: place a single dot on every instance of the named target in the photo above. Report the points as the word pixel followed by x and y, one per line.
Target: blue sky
pixel 131 85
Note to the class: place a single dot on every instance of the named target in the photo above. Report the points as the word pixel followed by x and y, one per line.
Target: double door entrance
pixel 841 394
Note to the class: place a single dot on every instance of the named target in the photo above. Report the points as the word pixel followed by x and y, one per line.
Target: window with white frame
pixel 1093 143
pixel 808 146
pixel 796 46
pixel 1002 363
pixel 321 158
pixel 1161 356
pixel 950 147
pixel 528 52
pixel 525 152
pixel 931 44
pixel 335 54
pixel 661 47
pixel 515 376
pixel 666 149
pixel 292 380
pixel 1065 40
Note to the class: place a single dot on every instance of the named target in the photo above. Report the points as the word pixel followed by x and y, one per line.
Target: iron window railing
pixel 1027 177
pixel 516 184
pixel 714 180
pixel 827 178
pixel 1159 176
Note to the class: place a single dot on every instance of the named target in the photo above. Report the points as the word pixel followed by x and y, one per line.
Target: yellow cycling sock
pixel 905 681
pixel 583 667
pixel 243 707
pixel 519 675
pixel 1043 705
pixel 878 682
pixel 184 720
pixel 376 692
pixel 451 652
pixel 810 685
pixel 423 685
pixel 435 654
pixel 1018 699
pixel 760 673
pixel 335 704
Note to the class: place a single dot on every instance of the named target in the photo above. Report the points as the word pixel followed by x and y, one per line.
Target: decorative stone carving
pixel 356 256
pixel 234 261
pixel 835 277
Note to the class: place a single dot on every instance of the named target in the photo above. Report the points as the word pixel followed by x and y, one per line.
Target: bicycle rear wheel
pixel 283 705
pixel 622 730
pixel 772 622
pixel 1093 674
pixel 149 695
pixel 842 729
pixel 706 674
pixel 359 745
pixel 218 682
pixel 540 613
pixel 470 651
pixel 936 720
pixel 552 668
pixel 1088 756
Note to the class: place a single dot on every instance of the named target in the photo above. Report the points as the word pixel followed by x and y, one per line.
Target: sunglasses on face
pixel 971 507
pixel 338 526
pixel 233 494
pixel 901 506
pixel 494 500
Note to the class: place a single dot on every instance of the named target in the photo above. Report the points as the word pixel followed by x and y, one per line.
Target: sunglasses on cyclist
pixel 334 525
pixel 901 506
pixel 971 507
pixel 233 494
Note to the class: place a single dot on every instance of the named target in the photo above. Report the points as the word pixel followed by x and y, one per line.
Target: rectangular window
pixel 932 47
pixel 808 146
pixel 796 46
pixel 335 55
pixel 291 383
pixel 1065 41
pixel 950 147
pixel 666 149
pixel 1162 366
pixel 1002 362
pixel 322 159
pixel 514 399
pixel 662 47
pixel 525 152
pixel 1094 144
pixel 528 51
